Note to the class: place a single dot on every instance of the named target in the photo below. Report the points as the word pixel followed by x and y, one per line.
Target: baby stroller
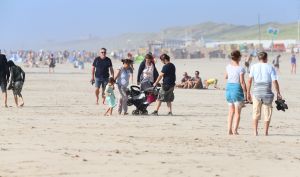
pixel 141 99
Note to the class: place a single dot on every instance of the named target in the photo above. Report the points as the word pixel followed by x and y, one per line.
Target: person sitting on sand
pixel 195 82
pixel 209 82
pixel 17 79
pixel 184 81
pixel 110 97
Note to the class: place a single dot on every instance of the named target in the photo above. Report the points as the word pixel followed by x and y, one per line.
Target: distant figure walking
pixel 17 79
pixel 293 64
pixel 235 91
pixel 51 63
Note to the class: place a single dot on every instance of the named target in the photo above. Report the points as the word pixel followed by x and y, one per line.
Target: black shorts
pixel 3 85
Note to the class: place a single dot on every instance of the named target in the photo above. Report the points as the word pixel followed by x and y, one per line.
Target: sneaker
pixel 154 113
pixel 170 114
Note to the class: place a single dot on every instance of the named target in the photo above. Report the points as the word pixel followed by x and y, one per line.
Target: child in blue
pixel 110 96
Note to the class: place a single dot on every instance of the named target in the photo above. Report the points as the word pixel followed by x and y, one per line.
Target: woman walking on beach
pixel 122 77
pixel 235 91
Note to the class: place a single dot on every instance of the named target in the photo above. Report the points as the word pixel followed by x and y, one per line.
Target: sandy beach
pixel 61 132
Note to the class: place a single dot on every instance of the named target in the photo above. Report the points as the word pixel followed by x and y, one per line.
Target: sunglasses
pixel 103 52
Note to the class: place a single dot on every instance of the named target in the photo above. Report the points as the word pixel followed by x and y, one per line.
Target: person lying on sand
pixel 209 82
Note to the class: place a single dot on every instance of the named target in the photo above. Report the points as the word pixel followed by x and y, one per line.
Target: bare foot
pixel 230 132
pixel 21 105
pixel 255 133
pixel 235 133
pixel 266 134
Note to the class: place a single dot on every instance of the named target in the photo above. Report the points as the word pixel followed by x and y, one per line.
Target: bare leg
pixel 237 115
pixel 255 125
pixel 110 111
pixel 158 105
pixel 4 95
pixel 267 125
pixel 169 104
pixel 230 118
pixel 16 100
pixel 97 95
pixel 22 100
pixel 106 112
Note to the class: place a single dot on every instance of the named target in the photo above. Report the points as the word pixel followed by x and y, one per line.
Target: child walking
pixel 110 96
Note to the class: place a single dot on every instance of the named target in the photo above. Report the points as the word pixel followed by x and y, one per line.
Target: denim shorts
pixel 101 82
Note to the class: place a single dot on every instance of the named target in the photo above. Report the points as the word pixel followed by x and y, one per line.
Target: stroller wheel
pixel 135 112
pixel 144 112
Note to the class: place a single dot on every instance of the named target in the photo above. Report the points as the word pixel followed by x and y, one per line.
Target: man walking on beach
pixel 263 75
pixel 4 76
pixel 100 73
pixel 166 93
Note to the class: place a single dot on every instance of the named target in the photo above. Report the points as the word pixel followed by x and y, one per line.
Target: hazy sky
pixel 28 22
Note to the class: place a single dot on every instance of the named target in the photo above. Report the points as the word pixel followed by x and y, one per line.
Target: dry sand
pixel 61 132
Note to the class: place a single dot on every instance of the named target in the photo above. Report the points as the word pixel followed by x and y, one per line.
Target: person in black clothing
pixel 166 93
pixel 51 63
pixel 17 79
pixel 4 76
pixel 100 73
pixel 147 73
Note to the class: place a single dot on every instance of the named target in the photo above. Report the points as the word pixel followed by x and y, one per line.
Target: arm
pixel 93 73
pixel 23 75
pixel 243 84
pixel 141 68
pixel 111 71
pixel 11 77
pixel 117 74
pixel 249 88
pixel 226 76
pixel 276 85
pixel 158 79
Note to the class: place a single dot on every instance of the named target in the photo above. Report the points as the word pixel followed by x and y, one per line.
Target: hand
pixel 279 97
pixel 92 81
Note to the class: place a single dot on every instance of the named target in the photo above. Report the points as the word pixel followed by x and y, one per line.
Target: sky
pixel 26 23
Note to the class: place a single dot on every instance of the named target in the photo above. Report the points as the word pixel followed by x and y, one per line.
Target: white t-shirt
pixel 234 73
pixel 263 72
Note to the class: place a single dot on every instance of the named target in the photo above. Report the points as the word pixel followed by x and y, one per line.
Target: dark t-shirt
pixel 4 71
pixel 102 67
pixel 169 77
